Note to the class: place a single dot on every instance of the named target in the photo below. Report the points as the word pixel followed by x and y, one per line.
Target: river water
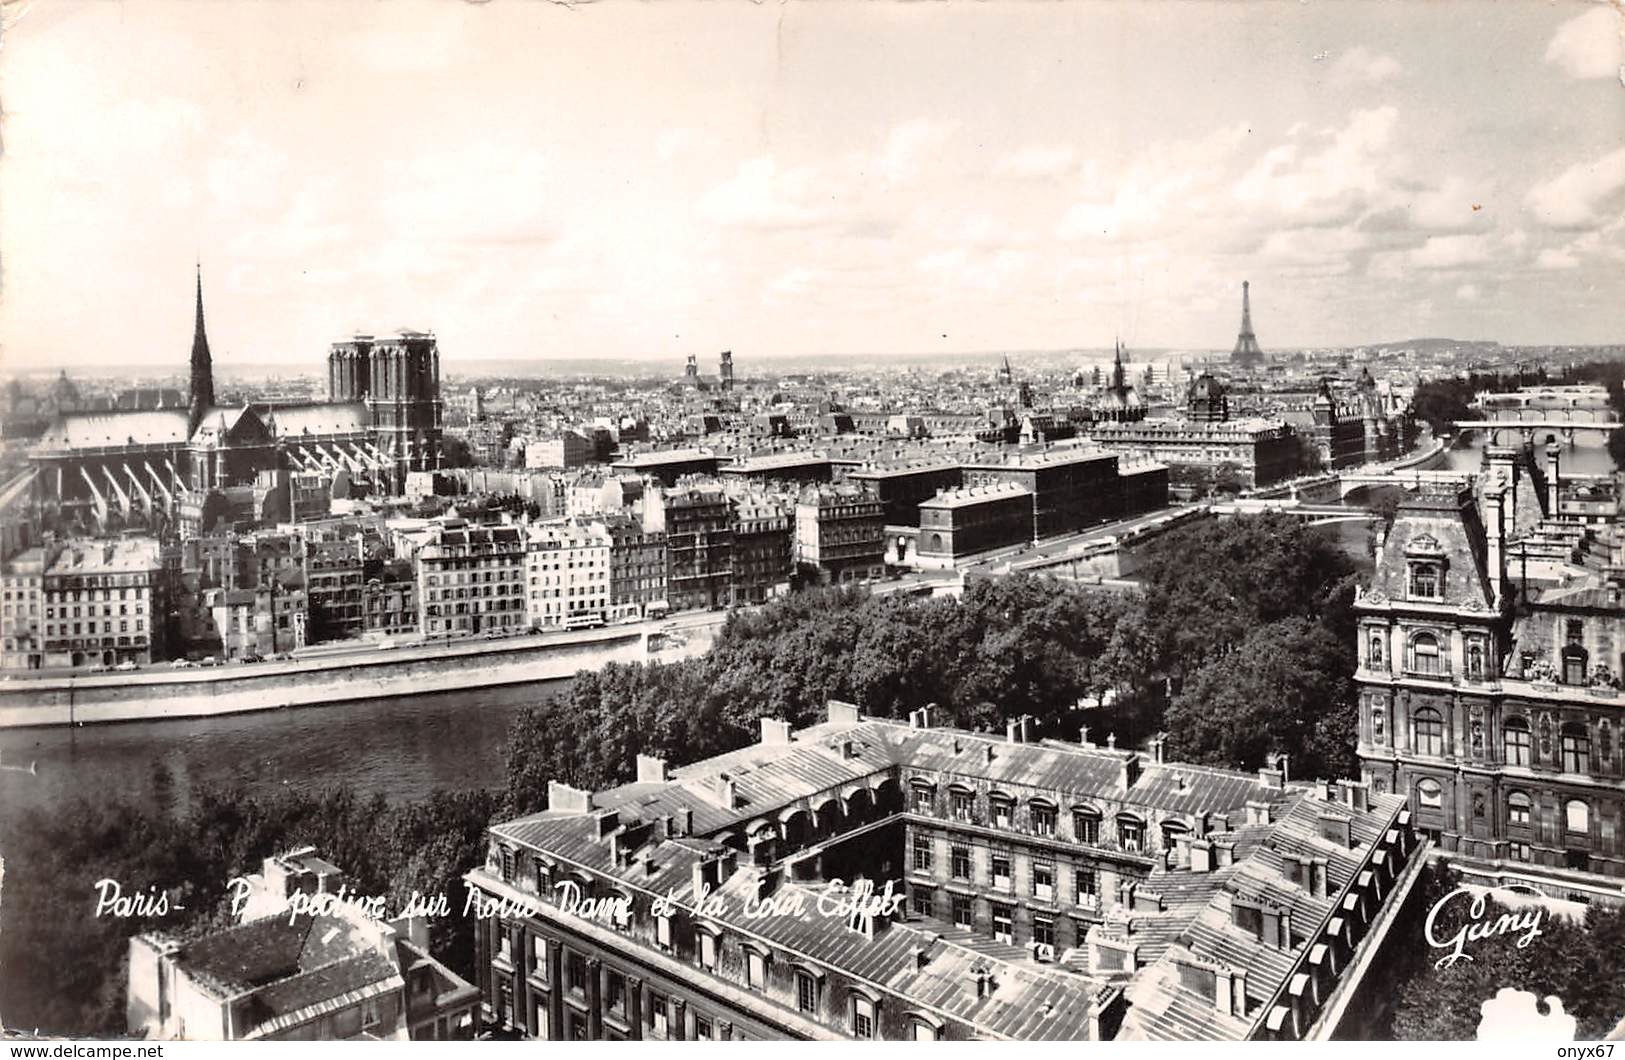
pixel 402 747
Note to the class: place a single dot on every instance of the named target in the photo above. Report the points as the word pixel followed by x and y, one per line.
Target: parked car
pixel 183 664
pixel 252 658
pixel 127 665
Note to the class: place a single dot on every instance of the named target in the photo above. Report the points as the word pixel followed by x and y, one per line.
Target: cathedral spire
pixel 201 394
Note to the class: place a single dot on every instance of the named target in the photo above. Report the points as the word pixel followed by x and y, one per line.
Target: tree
pixel 1285 689
pixel 1581 962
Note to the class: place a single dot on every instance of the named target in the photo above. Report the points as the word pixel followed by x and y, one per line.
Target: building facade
pixel 105 602
pixel 697 521
pixel 284 974
pixel 840 535
pixel 1072 488
pixel 567 574
pixel 963 522
pixel 471 580
pixel 1501 725
pixel 763 559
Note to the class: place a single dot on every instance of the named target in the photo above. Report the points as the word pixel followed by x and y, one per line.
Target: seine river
pixel 402 748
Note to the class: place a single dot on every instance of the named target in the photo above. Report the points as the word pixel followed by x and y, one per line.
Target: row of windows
pixel 1574 742
pixel 1043 873
pixel 477 592
pixel 1520 808
pixel 1042 816
pixel 53 629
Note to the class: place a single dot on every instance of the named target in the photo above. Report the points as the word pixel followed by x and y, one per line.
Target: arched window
pixel 1374 655
pixel 1086 824
pixel 1429 795
pixel 1429 732
pixel 1576 747
pixel 1172 829
pixel 1043 815
pixel 1002 808
pixel 1520 811
pixel 1425 581
pixel 1130 832
pixel 1425 654
pixel 1515 741
pixel 1577 817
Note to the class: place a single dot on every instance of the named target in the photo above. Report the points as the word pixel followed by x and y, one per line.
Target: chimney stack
pixel 1552 452
pixel 651 770
pixel 775 731
pixel 1494 520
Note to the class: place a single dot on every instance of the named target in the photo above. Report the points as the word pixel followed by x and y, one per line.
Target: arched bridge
pixel 1349 481
pixel 1536 430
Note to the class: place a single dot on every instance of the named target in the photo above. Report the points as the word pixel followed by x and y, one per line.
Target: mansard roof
pixel 1442 524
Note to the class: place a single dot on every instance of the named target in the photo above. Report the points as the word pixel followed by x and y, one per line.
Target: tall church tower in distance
pixel 200 395
pixel 397 377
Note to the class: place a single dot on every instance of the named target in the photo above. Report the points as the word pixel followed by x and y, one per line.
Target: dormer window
pixel 1003 810
pixel 1426 581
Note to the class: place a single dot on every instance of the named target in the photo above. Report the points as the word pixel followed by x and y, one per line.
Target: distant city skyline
pixel 536 181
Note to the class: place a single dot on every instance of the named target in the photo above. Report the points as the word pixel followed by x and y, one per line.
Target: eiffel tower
pixel 1246 351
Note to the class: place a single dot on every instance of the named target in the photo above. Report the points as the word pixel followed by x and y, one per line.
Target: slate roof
pixel 927 967
pixel 317 420
pixel 92 430
pixel 1440 522
pixel 269 949
pixel 1197 921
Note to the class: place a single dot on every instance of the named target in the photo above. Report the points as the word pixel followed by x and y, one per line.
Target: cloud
pixel 1360 64
pixel 1553 259
pixel 910 145
pixel 1455 206
pixel 1588 45
pixel 1037 161
pixel 1333 185
pixel 1170 187
pixel 984 271
pixel 481 194
pixel 1452 252
pixel 761 195
pixel 1467 292
pixel 1585 195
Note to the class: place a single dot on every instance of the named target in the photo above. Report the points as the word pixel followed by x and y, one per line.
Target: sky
pixel 531 179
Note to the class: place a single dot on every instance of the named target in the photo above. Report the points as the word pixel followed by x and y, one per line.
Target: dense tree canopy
pixel 65 969
pixel 1580 962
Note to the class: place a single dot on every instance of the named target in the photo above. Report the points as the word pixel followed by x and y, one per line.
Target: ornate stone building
pixel 1498 719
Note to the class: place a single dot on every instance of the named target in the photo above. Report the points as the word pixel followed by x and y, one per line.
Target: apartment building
pixel 867 879
pixel 567 574
pixel 840 534
pixel 471 580
pixel 105 601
